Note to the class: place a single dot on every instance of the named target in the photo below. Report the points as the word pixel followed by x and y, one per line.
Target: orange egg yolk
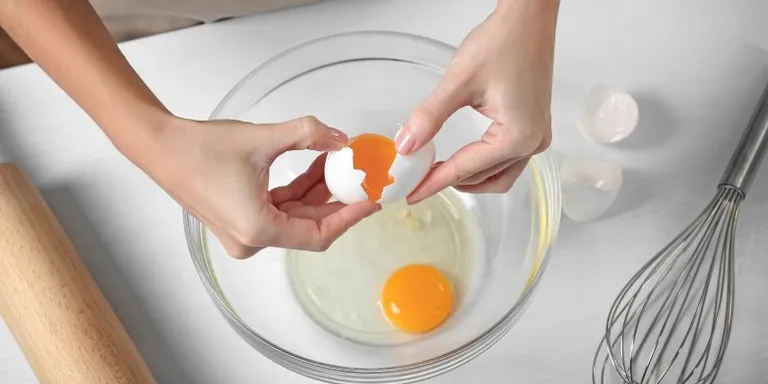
pixel 417 298
pixel 374 155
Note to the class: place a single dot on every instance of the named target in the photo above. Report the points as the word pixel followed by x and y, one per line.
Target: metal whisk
pixel 671 322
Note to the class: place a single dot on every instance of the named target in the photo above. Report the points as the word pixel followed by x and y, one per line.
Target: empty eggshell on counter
pixel 607 115
pixel 589 187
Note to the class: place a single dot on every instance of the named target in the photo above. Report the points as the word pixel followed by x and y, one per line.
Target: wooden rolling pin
pixel 53 307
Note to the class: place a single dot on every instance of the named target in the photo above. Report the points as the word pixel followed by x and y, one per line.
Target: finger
pixel 317 195
pixel 482 175
pixel 312 235
pixel 315 212
pixel 499 183
pixel 469 160
pixel 305 133
pixel 302 184
pixel 289 205
pixel 427 119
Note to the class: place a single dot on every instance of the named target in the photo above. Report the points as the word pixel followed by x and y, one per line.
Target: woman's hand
pixel 219 172
pixel 504 70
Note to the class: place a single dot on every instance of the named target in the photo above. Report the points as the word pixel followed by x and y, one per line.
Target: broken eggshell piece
pixel 589 187
pixel 342 179
pixel 345 182
pixel 408 171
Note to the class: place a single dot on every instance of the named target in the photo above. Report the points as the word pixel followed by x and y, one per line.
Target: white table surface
pixel 694 66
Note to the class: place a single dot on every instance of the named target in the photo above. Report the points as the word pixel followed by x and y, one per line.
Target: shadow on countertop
pixel 156 350
pixel 73 215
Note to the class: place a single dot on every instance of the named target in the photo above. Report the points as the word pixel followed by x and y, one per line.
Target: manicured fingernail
pixel 399 131
pixel 414 202
pixel 339 136
pixel 404 143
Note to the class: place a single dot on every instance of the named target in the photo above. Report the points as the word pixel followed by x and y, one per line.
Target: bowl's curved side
pixel 313 55
pixel 271 75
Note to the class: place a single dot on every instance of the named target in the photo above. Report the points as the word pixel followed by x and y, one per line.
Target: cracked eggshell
pixel 408 172
pixel 342 179
pixel 345 183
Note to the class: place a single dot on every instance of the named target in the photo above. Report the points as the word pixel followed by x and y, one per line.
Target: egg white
pixel 340 289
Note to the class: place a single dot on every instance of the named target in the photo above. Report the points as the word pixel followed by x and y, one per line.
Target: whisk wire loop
pixel 678 307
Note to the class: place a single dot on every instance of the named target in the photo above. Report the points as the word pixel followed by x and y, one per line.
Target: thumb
pixel 427 119
pixel 305 133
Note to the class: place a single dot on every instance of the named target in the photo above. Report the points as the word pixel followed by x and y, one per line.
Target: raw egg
pixel 369 168
pixel 417 298
pixel 376 264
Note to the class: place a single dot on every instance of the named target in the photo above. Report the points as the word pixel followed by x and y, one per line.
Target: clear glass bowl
pixel 370 82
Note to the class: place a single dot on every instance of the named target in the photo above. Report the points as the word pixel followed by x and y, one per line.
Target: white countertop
pixel 694 69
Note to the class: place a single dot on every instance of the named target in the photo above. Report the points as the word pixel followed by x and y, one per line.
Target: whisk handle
pixel 752 147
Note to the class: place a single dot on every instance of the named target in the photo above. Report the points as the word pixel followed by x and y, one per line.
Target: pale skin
pixel 218 170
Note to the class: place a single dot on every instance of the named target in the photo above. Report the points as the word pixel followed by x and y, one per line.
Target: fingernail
pixel 399 131
pixel 404 143
pixel 375 209
pixel 339 136
pixel 414 202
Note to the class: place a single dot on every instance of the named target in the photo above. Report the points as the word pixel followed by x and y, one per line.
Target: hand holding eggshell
pixel 219 172
pixel 503 70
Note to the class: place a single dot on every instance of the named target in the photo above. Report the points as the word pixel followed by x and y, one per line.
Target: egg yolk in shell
pixel 417 298
pixel 374 155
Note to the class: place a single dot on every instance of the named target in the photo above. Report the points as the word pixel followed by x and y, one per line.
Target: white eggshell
pixel 608 115
pixel 408 171
pixel 589 187
pixel 345 183
pixel 343 180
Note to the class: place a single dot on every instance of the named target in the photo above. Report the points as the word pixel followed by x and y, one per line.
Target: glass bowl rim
pixel 331 373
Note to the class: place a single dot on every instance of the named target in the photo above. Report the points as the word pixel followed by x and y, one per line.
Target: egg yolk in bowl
pixel 417 298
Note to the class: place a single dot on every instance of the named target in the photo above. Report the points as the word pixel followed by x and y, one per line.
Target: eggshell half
pixel 408 171
pixel 342 179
